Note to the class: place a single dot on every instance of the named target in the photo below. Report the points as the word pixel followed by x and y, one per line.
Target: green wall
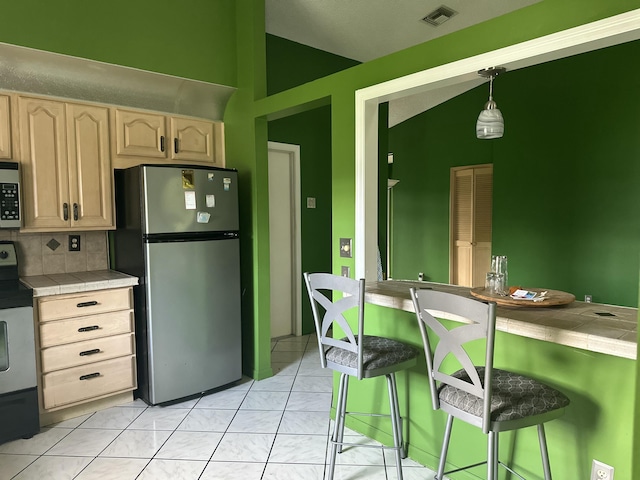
pixel 312 131
pixel 191 38
pixel 290 64
pixel 564 177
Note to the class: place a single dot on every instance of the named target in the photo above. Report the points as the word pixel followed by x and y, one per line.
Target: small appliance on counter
pixel 19 415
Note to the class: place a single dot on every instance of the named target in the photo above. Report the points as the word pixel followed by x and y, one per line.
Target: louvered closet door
pixel 471 204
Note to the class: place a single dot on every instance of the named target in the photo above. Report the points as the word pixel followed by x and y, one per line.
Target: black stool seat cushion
pixel 514 396
pixel 378 352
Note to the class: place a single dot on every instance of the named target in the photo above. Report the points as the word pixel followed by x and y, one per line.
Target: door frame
pixel 584 38
pixel 293 151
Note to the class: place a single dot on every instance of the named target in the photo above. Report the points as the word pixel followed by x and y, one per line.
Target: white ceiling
pixel 367 29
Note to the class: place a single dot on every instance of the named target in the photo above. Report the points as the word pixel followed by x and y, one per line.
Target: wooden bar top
pixel 595 327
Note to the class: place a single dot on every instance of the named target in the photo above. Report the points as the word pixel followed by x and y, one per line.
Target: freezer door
pixel 193 317
pixel 189 199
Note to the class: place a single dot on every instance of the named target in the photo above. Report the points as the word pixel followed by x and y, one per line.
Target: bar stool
pixel 356 355
pixel 491 399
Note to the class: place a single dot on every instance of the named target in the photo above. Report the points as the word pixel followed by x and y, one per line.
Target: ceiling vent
pixel 439 16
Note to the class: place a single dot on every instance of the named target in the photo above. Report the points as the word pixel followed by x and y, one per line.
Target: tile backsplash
pixel 48 253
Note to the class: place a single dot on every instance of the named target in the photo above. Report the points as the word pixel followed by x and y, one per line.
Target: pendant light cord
pixel 491 87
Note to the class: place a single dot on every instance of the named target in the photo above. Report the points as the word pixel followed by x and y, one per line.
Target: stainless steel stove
pixel 19 417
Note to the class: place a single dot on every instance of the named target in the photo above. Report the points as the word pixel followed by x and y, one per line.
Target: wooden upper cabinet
pixel 66 166
pixel 90 181
pixel 192 140
pixel 146 137
pixel 45 172
pixel 140 134
pixel 5 128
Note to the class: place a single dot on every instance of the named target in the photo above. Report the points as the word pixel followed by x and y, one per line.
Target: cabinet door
pixel 5 128
pixel 140 134
pixel 45 174
pixel 192 140
pixel 91 185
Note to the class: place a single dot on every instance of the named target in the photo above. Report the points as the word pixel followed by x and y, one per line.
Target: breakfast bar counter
pixel 601 328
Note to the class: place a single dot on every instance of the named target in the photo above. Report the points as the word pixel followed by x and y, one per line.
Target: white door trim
pixel 294 154
pixel 592 36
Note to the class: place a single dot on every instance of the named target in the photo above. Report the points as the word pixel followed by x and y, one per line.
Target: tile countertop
pixel 574 325
pixel 59 283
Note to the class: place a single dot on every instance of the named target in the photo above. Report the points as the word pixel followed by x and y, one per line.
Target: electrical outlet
pixel 74 243
pixel 420 276
pixel 587 298
pixel 601 471
pixel 345 248
pixel 345 271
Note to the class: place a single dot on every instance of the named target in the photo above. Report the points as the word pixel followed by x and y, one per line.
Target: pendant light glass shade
pixel 490 122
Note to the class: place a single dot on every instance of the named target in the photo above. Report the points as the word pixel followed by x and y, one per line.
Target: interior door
pixel 284 237
pixel 471 217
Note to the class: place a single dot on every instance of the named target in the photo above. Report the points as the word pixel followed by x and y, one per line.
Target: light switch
pixel 311 202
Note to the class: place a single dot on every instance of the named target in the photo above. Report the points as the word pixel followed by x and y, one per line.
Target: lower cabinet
pixel 87 346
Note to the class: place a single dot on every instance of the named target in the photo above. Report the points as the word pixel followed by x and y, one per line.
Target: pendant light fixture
pixel 490 123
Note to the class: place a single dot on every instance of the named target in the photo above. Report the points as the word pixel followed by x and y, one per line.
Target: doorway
pixel 284 239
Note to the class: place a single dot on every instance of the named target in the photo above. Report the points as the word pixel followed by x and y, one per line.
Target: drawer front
pixel 89 351
pixel 82 304
pixel 85 328
pixel 88 381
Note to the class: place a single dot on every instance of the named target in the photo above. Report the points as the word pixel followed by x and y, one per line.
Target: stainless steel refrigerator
pixel 177 231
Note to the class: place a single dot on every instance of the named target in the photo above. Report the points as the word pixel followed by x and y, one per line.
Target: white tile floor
pixel 272 429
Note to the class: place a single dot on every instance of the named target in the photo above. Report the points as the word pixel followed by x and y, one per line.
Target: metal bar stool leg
pixel 445 448
pixel 544 452
pixel 395 421
pixel 492 456
pixel 338 425
pixel 344 386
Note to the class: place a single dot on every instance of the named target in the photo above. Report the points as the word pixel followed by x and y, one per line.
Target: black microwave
pixel 10 210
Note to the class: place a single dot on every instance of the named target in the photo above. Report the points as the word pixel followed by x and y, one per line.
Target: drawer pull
pixel 90 352
pixel 89 376
pixel 88 329
pixel 93 303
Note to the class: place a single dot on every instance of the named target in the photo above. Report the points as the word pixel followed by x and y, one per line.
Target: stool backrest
pixel 478 322
pixel 331 296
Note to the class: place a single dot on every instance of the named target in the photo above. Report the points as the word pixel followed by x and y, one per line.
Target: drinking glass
pixel 499 265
